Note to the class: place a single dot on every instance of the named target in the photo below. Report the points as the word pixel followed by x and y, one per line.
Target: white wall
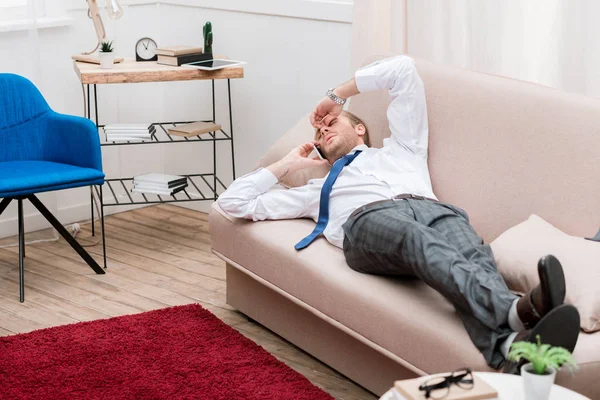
pixel 293 57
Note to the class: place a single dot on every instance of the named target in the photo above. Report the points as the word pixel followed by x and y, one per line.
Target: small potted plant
pixel 107 55
pixel 544 360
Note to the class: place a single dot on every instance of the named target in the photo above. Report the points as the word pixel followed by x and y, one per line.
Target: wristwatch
pixel 336 99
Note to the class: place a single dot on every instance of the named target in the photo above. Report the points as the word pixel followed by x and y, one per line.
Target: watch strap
pixel 336 99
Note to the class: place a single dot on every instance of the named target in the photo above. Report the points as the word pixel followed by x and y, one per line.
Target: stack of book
pixel 128 131
pixel 178 55
pixel 160 184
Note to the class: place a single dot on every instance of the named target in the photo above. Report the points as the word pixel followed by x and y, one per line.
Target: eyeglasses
pixel 438 387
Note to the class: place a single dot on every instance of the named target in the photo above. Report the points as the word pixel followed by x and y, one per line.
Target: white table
pixel 509 387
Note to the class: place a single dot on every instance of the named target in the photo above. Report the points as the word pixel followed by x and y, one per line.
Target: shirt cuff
pixel 263 179
pixel 366 81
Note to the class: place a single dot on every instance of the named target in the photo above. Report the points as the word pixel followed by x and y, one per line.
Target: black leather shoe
pixel 559 327
pixel 549 294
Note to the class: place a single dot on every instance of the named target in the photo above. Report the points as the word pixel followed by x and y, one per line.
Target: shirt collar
pixel 361 147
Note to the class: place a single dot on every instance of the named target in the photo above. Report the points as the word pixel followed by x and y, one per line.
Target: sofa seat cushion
pixel 403 316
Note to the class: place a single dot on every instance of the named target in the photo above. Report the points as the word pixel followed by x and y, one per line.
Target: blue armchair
pixel 41 151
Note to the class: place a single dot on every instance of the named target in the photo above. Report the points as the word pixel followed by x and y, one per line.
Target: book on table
pixel 408 389
pixel 178 50
pixel 177 61
pixel 194 129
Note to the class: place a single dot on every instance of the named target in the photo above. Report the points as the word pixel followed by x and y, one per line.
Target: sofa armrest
pixel 218 209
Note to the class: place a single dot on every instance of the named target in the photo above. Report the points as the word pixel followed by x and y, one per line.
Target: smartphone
pixel 318 151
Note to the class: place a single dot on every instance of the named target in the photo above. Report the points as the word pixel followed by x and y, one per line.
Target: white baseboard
pixel 66 215
pixel 78 213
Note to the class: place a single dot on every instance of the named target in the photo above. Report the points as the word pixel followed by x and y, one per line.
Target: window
pixel 11 10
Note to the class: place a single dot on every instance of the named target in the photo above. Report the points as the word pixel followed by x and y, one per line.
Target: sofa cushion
pixel 302 132
pixel 403 316
pixel 518 250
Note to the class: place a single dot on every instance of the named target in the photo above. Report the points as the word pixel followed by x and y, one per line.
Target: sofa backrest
pixel 504 149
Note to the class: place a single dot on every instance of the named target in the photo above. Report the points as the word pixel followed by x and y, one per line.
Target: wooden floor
pixel 157 257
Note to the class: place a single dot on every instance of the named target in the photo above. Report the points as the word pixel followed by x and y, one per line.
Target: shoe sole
pixel 560 327
pixel 552 280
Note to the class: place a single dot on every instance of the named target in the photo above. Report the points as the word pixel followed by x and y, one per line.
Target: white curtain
pixel 551 42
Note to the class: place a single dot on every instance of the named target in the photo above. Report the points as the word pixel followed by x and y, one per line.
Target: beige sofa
pixel 499 148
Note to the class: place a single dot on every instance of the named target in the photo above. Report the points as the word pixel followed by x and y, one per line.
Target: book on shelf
pixel 408 389
pixel 176 61
pixel 178 50
pixel 159 186
pixel 164 180
pixel 128 126
pixel 162 192
pixel 129 133
pixel 194 129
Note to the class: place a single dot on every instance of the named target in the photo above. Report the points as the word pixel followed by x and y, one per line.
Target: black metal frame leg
pixel 65 234
pixel 214 144
pixel 92 210
pixel 102 223
pixel 21 251
pixel 231 128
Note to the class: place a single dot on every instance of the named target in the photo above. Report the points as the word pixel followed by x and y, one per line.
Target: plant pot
pixel 537 387
pixel 107 60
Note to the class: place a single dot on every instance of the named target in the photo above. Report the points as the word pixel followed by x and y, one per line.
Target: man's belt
pixel 398 197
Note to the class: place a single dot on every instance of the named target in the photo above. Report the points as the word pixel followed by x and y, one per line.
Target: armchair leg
pixel 4 203
pixel 63 232
pixel 21 251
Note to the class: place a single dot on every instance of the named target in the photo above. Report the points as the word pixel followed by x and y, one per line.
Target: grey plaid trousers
pixel 436 243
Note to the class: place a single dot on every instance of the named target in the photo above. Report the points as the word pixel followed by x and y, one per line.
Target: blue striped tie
pixel 324 203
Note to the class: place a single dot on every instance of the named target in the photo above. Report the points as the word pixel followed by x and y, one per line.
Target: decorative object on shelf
pixel 114 12
pixel 208 37
pixel 194 129
pixel 145 50
pixel 544 360
pixel 159 184
pixel 107 55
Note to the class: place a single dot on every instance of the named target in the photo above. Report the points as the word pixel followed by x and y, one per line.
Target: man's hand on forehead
pixel 324 112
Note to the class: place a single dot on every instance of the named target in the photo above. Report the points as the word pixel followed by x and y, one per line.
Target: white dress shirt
pixel 399 167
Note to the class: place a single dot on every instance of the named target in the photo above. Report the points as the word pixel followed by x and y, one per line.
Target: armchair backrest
pixel 22 107
pixel 20 101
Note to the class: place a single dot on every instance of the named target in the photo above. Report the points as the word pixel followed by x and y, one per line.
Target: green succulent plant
pixel 541 356
pixel 106 47
pixel 208 37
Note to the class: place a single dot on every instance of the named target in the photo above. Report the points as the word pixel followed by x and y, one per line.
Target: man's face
pixel 337 137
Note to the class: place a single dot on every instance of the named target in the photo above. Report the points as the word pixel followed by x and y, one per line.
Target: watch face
pixel 145 49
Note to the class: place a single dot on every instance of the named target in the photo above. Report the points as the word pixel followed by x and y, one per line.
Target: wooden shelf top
pixel 130 71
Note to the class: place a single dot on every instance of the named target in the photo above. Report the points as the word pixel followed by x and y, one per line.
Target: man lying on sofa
pixel 379 207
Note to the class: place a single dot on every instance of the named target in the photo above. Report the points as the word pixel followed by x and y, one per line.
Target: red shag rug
pixel 175 353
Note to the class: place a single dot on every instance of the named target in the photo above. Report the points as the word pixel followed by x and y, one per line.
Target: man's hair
pixel 354 121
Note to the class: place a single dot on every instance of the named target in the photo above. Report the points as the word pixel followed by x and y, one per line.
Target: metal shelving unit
pixel 201 187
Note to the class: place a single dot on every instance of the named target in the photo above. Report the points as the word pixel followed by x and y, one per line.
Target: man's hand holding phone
pixel 296 160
